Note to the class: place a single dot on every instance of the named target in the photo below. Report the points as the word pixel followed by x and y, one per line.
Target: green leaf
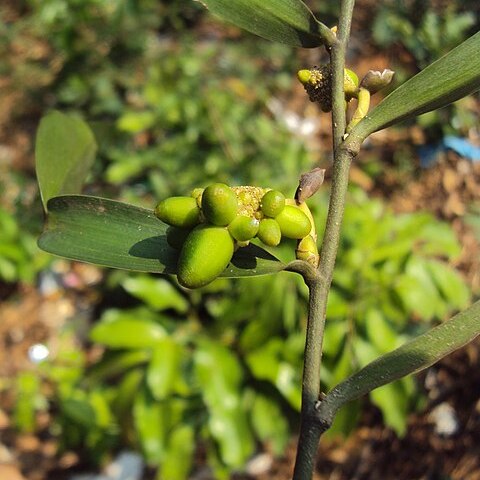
pixel 450 284
pixel 450 78
pixel 393 402
pixel 151 419
pixel 119 330
pixel 164 368
pixel 411 357
pixel 270 423
pixel 219 374
pixel 285 21
pixel 64 152
pixel 179 455
pixel 118 235
pixel 158 293
pixel 267 363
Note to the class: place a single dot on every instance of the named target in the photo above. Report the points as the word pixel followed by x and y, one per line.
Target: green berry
pixel 273 203
pixel 243 228
pixel 180 212
pixel 293 222
pixel 269 232
pixel 219 204
pixel 205 254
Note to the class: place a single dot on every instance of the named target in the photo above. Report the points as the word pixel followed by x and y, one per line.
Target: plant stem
pixel 312 425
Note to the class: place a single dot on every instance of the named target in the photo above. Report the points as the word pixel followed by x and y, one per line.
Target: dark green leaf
pixel 284 21
pixel 64 152
pixel 118 235
pixel 450 78
pixel 411 357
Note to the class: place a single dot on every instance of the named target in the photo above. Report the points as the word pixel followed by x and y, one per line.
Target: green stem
pixel 312 425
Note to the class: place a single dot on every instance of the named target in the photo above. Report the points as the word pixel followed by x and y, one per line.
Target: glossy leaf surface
pixel 285 21
pixel 450 78
pixel 64 152
pixel 118 235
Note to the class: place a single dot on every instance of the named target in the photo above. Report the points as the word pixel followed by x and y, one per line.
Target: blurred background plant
pixel 176 101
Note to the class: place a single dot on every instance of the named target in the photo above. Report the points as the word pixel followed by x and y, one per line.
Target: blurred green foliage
pixel 426 32
pixel 220 367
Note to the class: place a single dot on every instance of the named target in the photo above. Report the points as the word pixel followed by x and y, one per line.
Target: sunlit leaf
pixel 164 368
pixel 64 152
pixel 158 293
pixel 178 459
pixel 284 21
pixel 219 374
pixel 124 331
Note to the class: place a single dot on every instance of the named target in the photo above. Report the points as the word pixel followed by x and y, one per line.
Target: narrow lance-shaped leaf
pixel 285 21
pixel 450 78
pixel 64 152
pixel 118 235
pixel 412 357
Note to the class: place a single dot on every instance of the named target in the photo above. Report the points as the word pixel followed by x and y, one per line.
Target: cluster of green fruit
pixel 212 223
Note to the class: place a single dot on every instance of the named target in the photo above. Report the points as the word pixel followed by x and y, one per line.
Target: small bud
pixel 304 76
pixel 307 250
pixel 350 84
pixel 309 184
pixel 375 80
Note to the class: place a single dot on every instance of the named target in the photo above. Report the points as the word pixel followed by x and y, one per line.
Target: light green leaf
pixel 123 330
pixel 450 284
pixel 267 363
pixel 379 331
pixel 118 235
pixel 164 368
pixel 158 293
pixel 450 78
pixel 284 21
pixel 219 374
pixel 64 152
pixel 270 423
pixel 179 455
pixel 393 402
pixel 417 291
pixel 411 357
pixel 151 419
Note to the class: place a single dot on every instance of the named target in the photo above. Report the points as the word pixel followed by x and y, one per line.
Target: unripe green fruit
pixel 204 256
pixel 219 204
pixel 176 237
pixel 293 222
pixel 243 228
pixel 180 212
pixel 269 232
pixel 273 203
